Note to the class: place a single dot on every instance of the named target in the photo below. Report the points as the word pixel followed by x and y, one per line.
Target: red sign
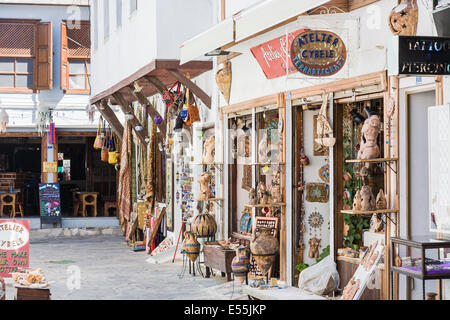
pixel 272 55
pixel 14 246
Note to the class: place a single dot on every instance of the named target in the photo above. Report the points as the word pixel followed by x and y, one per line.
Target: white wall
pixel 21 107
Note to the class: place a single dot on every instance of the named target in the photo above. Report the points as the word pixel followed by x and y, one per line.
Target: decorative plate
pixel 246 223
pixel 324 173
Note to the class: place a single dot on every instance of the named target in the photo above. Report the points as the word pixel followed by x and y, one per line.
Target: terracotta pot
pixel 204 225
pixel 191 246
pixel 239 265
pixel 264 250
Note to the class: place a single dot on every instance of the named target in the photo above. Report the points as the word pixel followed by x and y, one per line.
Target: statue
pixel 262 193
pixel 205 192
pixel 314 244
pixel 357 201
pixel 381 202
pixel 209 150
pixel 252 197
pixel 370 131
pixel 368 202
pixel 275 189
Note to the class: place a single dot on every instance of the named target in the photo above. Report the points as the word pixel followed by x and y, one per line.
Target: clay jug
pixel 204 225
pixel 191 246
pixel 264 250
pixel 239 265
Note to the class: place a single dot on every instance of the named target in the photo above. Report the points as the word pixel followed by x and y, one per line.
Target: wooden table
pixel 26 293
pixel 290 293
pixel 218 259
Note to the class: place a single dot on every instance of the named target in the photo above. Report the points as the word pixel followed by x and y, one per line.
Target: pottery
pixel 204 225
pixel 209 150
pixel 264 250
pixel 240 264
pixel 205 192
pixel 368 202
pixel 191 246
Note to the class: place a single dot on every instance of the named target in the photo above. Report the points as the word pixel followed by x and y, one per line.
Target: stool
pixel 19 209
pixel 8 200
pixel 89 199
pixel 109 205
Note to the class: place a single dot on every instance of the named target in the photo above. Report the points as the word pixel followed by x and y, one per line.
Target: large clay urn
pixel 264 250
pixel 191 246
pixel 204 225
pixel 240 263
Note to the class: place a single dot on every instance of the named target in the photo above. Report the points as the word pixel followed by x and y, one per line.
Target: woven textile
pixel 125 177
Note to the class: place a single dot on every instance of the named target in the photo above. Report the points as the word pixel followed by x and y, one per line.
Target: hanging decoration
pixel 90 110
pixel 223 80
pixel 4 120
pixel 403 18
pixel 315 221
pixel 44 117
pixel 51 134
pixel 324 129
pixel 324 173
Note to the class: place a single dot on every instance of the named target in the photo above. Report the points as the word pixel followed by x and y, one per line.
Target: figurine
pixel 314 244
pixel 357 201
pixel 376 225
pixel 205 192
pixel 262 193
pixel 370 131
pixel 367 199
pixel 209 150
pixel 381 202
pixel 263 149
pixel 252 197
pixel 275 189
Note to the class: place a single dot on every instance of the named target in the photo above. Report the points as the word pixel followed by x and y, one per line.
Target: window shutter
pixel 64 57
pixel 44 57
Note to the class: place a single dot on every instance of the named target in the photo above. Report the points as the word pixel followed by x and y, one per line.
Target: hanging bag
pixel 192 111
pixel 105 149
pixel 98 143
pixel 112 154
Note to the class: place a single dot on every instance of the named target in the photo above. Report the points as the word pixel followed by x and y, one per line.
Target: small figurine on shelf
pixel 314 244
pixel 275 189
pixel 369 148
pixel 381 202
pixel 368 202
pixel 357 201
pixel 252 197
pixel 263 150
pixel 209 150
pixel 204 180
pixel 376 224
pixel 262 193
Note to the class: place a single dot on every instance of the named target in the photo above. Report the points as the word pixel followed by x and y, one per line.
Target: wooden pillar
pixel 283 229
pixel 43 158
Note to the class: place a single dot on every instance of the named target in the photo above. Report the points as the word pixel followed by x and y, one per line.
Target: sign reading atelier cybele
pixel 318 53
pixel 14 246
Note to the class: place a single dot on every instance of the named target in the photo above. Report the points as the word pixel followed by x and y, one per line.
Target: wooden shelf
pixel 212 199
pixel 373 160
pixel 208 164
pixel 370 212
pixel 241 236
pixel 269 164
pixel 269 205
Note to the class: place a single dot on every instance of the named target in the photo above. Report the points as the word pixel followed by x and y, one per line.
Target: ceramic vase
pixel 239 265
pixel 264 250
pixel 191 246
pixel 204 225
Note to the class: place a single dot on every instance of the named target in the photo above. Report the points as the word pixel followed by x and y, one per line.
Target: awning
pixel 212 39
pixel 244 25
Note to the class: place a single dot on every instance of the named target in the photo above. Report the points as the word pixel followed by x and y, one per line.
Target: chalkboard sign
pixel 50 203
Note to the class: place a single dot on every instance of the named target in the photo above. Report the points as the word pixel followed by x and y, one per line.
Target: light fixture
pixel 217 52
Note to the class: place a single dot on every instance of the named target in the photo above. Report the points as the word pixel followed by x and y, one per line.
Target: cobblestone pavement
pixel 110 270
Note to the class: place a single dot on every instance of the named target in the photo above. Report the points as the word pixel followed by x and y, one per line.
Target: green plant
pixel 300 268
pixel 325 253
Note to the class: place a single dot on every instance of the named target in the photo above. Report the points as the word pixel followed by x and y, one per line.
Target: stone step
pixel 44 234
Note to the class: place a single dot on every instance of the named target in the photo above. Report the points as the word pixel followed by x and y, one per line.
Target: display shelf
pixel 268 164
pixel 269 205
pixel 369 212
pixel 208 164
pixel 211 199
pixel 378 160
pixel 241 236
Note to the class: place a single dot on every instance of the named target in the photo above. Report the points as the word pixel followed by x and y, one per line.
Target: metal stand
pixel 192 266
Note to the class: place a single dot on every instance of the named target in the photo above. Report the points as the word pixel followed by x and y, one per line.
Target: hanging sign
pixel 273 55
pixel 50 204
pixel 14 246
pixel 50 167
pixel 420 55
pixel 318 53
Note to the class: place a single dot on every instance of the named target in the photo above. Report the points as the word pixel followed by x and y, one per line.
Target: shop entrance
pixel 20 172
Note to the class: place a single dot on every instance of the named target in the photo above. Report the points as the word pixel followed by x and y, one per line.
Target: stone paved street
pixel 109 270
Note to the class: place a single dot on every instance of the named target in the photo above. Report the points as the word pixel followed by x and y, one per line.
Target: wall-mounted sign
pixel 273 55
pixel 419 55
pixel 14 246
pixel 50 167
pixel 50 204
pixel 318 53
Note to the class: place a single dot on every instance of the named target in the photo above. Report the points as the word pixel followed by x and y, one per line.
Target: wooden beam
pixel 156 228
pixel 109 115
pixel 125 106
pixel 196 90
pixel 156 83
pixel 151 111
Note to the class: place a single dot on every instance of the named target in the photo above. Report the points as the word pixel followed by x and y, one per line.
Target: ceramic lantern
pixel 204 225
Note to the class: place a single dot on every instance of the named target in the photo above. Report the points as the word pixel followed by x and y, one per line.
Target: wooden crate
pixel 24 293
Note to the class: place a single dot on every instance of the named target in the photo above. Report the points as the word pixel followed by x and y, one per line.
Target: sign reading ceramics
pixel 14 246
pixel 317 53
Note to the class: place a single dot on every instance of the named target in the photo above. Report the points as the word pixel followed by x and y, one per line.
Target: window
pixel 133 6
pixel 106 19
pixel 25 56
pixel 75 58
pixel 119 12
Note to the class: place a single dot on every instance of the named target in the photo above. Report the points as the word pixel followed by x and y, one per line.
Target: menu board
pixel 50 203
pixel 14 246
